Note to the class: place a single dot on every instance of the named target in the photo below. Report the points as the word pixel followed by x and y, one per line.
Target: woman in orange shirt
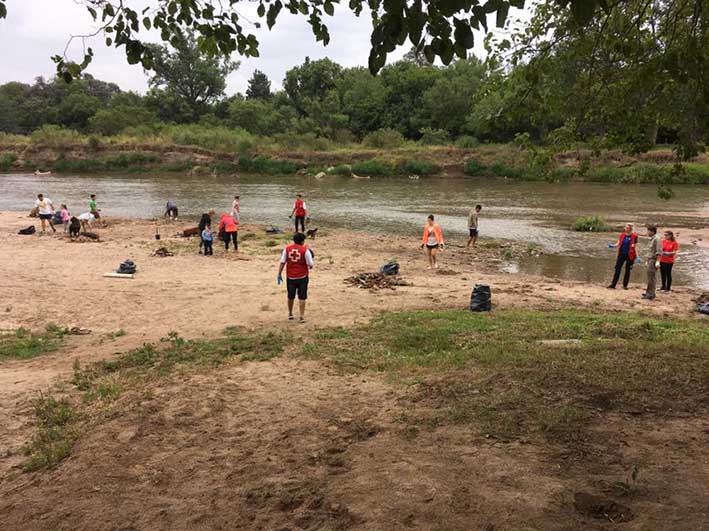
pixel 670 248
pixel 229 231
pixel 432 240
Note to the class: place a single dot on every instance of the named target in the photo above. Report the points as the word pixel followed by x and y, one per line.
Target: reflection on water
pixel 537 213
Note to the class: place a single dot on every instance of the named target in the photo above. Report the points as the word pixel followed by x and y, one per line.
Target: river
pixel 537 213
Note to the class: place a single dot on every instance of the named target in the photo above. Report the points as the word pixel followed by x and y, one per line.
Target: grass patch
pixel 268 165
pixel 55 436
pixel 124 162
pixel 23 344
pixel 7 160
pixel 592 224
pixel 494 371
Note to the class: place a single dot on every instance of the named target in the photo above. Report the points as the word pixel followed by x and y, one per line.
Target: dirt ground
pixel 293 444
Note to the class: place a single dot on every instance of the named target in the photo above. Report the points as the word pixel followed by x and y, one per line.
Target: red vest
pixel 299 207
pixel 296 266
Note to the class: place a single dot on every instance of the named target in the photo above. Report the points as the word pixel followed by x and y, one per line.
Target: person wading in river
pixel 627 253
pixel 432 240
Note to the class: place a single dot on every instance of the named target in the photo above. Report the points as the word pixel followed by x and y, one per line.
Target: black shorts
pixel 473 233
pixel 45 216
pixel 434 246
pixel 299 286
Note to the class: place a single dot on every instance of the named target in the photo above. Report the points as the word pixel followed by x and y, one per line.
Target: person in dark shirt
pixel 627 254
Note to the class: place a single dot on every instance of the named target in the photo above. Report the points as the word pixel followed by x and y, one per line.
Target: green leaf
pixel 463 34
pixel 329 8
pixel 502 15
pixel 261 10
pixel 583 10
pixel 429 54
pixel 3 10
pixel 91 10
pixel 146 23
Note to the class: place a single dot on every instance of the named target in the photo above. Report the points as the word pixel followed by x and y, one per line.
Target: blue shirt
pixel 207 236
pixel 625 246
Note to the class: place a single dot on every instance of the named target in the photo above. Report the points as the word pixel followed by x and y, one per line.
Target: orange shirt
pixel 228 224
pixel 437 233
pixel 669 247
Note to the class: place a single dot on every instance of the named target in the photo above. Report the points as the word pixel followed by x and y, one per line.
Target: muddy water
pixel 537 213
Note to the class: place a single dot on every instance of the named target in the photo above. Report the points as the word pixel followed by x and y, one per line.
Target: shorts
pixel 45 216
pixel 96 215
pixel 473 233
pixel 434 246
pixel 299 286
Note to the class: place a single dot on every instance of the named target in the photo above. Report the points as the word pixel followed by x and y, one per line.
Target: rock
pixel 321 175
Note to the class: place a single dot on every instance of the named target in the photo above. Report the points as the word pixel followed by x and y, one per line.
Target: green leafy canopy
pixel 438 28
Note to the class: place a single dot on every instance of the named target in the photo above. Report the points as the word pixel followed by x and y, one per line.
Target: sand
pixel 296 413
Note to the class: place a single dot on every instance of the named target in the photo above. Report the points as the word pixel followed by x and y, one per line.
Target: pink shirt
pixel 65 214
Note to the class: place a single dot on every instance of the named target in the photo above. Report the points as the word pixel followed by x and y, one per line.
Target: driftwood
pixel 194 231
pixel 162 251
pixel 376 281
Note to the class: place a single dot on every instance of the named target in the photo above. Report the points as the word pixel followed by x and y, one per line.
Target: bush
pixel 214 138
pixel 132 161
pixel 384 139
pixel 268 165
pixel 467 142
pixel 434 137
pixel 7 160
pixel 342 169
pixel 302 141
pixel 473 167
pixel 373 167
pixel 55 137
pixel 418 167
pixel 591 224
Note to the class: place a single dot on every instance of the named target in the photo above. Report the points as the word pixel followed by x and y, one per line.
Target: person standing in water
pixel 627 253
pixel 432 240
pixel 45 211
pixel 297 260
pixel 670 248
pixel 654 252
pixel 473 225
pixel 236 208
pixel 299 211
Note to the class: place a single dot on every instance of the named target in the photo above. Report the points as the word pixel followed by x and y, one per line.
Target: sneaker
pixel 625 287
pixel 610 286
pixel 290 318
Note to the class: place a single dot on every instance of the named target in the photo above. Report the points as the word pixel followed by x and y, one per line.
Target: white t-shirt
pixel 308 258
pixel 44 206
pixel 87 216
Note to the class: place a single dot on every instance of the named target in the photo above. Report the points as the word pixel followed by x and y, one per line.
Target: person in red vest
pixel 299 211
pixel 627 253
pixel 297 260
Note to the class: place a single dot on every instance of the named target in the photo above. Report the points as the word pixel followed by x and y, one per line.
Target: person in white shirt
pixel 87 219
pixel 45 210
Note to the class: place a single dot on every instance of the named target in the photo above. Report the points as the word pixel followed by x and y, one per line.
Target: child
pixel 236 208
pixel 66 217
pixel 207 239
pixel 94 209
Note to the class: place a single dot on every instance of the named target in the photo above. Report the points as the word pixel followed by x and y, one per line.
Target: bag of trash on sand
pixel 481 299
pixel 390 268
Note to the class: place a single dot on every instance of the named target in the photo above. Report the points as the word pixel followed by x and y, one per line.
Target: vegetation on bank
pixel 526 372
pixel 592 224
pixel 509 373
pixel 23 344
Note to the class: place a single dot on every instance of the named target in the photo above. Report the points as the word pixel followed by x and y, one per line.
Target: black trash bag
pixel 127 268
pixel 28 230
pixel 481 299
pixel 390 268
pixel 57 218
pixel 703 308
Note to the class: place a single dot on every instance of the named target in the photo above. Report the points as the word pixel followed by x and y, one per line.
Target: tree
pixel 186 75
pixel 311 81
pixel 259 87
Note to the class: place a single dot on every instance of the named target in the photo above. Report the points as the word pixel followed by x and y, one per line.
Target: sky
pixel 34 30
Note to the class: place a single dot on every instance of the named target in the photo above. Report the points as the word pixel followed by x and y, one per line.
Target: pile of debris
pixel 376 281
pixel 162 252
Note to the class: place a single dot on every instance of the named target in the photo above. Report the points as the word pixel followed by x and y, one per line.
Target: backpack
pixel 28 230
pixel 481 299
pixel 703 308
pixel 390 268
pixel 127 267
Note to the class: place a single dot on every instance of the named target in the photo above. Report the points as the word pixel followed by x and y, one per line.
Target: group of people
pixel 661 254
pixel 48 215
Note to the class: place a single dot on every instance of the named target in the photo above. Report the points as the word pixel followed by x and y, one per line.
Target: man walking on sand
pixel 654 252
pixel 473 225
pixel 298 261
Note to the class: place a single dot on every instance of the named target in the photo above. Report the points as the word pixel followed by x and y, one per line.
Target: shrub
pixel 473 167
pixel 55 137
pixel 94 143
pixel 418 167
pixel 268 165
pixel 467 142
pixel 342 169
pixel 7 160
pixel 384 139
pixel 434 137
pixel 302 141
pixel 373 167
pixel 215 138
pixel 591 224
